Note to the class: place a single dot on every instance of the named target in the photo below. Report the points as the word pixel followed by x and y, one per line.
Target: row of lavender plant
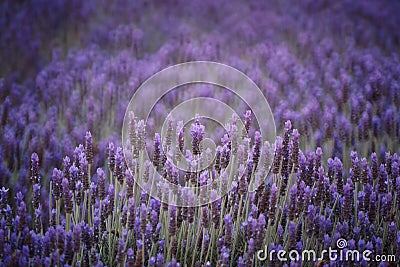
pixel 100 216
pixel 332 68
pixel 354 83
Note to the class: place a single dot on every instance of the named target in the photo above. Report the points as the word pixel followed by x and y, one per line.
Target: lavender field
pixel 327 183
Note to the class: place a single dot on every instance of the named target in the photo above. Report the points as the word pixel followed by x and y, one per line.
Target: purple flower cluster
pixel 114 221
pixel 330 71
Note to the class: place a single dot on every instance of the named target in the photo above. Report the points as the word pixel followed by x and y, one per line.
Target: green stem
pixel 58 211
pixel 68 221
pixel 237 228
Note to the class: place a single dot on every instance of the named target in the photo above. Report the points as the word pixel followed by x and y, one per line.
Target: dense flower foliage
pixel 330 71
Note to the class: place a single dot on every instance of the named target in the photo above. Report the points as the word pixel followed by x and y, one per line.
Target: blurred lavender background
pixel 69 67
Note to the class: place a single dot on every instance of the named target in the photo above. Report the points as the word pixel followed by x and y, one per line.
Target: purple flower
pixel 101 177
pixel 228 230
pixel 261 223
pixel 243 184
pixel 67 194
pixel 78 193
pixel 272 203
pixel 119 166
pixel 331 170
pixel 131 216
pixel 87 236
pixel 172 228
pixel 84 171
pixel 111 156
pixel 356 169
pixel 295 150
pixel 160 260
pixel 292 205
pixel 111 192
pixel 292 235
pixel 96 228
pixel 89 147
pixel 36 196
pixel 374 168
pixel 129 184
pixel 60 238
pixel 339 177
pixel 398 191
pixel 56 179
pixel 278 155
pixel 121 251
pixel 35 177
pixel 364 171
pixel 372 207
pixel 383 180
pixel 353 199
pixel 257 148
pixel 73 176
pixel 66 167
pixel 143 217
pixel 247 121
pixel 241 262
pixel 139 258
pixel 395 172
pixel 157 150
pixel 285 150
pixel 141 133
pixel 197 134
pixel 77 238
pixel 130 258
pixel 168 137
pixel 132 129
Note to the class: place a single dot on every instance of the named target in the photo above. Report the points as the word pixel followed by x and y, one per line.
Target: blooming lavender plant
pixel 70 68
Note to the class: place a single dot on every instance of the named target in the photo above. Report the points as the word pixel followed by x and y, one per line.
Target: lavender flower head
pixel 89 147
pixel 35 178
pixel 343 98
pixel 67 195
pixel 197 134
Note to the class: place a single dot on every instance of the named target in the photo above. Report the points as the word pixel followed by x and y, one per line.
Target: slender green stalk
pixel 58 211
pixel 68 221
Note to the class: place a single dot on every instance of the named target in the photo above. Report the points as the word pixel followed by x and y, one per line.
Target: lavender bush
pixel 330 71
